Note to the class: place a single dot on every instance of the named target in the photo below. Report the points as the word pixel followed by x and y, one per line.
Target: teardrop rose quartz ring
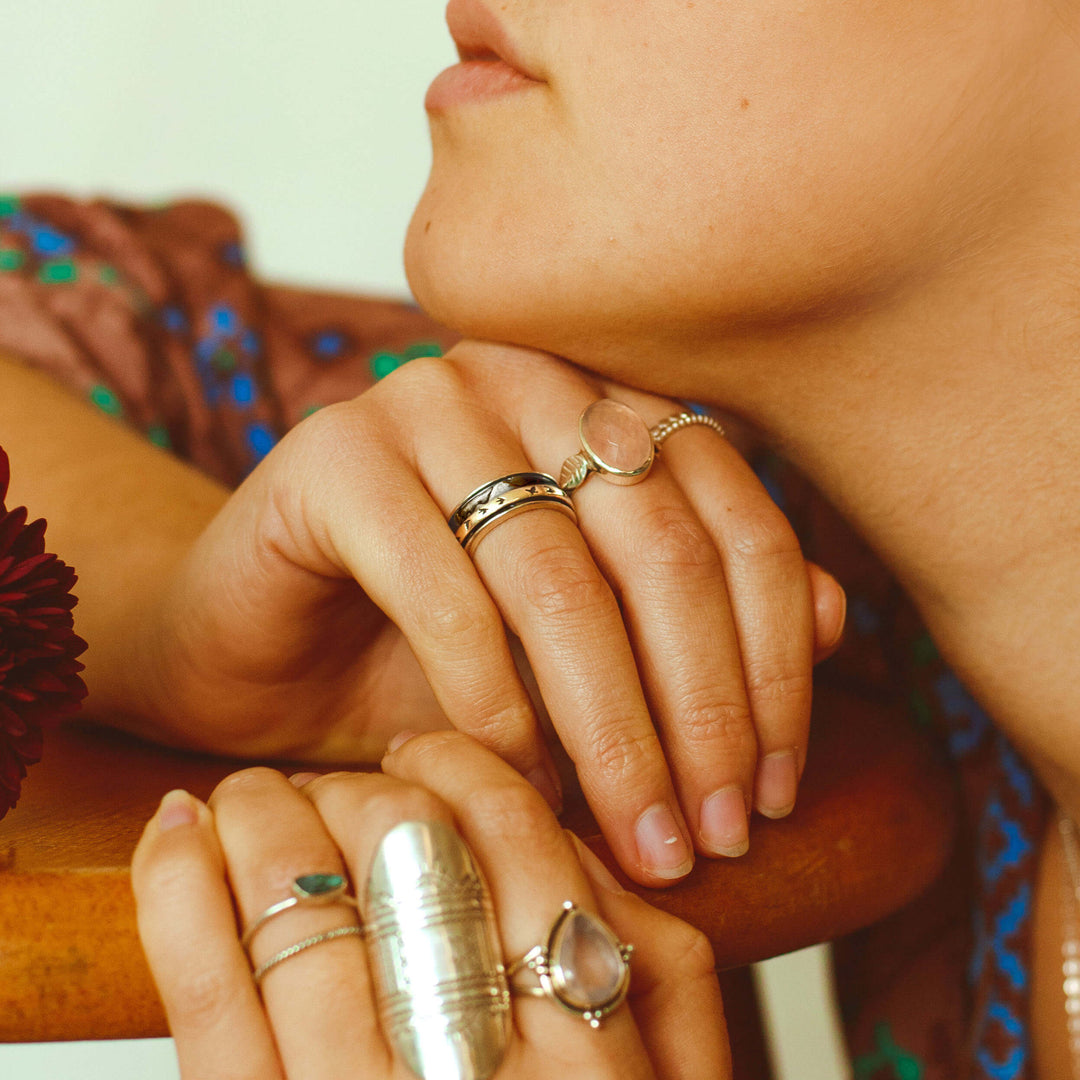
pixel 618 445
pixel 583 967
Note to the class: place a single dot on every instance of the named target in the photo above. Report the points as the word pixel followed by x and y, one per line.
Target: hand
pixel 671 635
pixel 317 1014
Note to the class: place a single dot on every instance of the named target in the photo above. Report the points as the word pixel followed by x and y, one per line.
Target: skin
pixel 317 1015
pixel 318 610
pixel 854 225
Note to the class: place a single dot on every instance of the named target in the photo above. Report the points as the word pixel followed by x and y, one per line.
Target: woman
pixel 854 228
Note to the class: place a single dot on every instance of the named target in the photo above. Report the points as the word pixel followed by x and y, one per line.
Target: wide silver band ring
pixel 619 446
pixel 590 986
pixel 318 889
pixel 474 518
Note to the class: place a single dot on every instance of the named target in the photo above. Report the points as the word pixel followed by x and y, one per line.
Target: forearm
pixel 120 510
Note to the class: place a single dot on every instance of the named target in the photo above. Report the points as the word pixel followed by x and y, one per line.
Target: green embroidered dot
pixel 924 651
pixel 422 348
pixel 108 275
pixel 224 360
pixel 158 434
pixel 10 259
pixel 382 363
pixel 106 400
pixel 310 411
pixel 57 272
pixel 9 204
pixel 887 1055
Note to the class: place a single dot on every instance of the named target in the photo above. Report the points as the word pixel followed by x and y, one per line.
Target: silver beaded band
pixel 300 946
pixel 668 427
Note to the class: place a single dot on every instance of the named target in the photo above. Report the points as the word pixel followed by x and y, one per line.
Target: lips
pixel 481 37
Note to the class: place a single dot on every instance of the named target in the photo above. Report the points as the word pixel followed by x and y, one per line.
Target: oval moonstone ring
pixel 583 967
pixel 615 443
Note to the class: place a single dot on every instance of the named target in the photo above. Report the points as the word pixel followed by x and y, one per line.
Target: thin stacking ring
pixel 503 499
pixel 316 939
pixel 485 493
pixel 306 889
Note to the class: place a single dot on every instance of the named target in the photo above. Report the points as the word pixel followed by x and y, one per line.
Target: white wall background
pixel 307 117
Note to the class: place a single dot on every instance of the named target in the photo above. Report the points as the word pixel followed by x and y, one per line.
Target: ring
pixel 485 493
pixel 306 889
pixel 583 968
pixel 439 979
pixel 618 445
pixel 300 946
pixel 498 501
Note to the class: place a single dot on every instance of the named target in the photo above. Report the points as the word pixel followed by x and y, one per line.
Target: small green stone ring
pixel 306 889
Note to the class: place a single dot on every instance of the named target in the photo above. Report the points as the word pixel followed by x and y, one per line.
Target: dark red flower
pixel 39 675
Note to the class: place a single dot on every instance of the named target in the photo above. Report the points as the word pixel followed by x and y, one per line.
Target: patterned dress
pixel 153 316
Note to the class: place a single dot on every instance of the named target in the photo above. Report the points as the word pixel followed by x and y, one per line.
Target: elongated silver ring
pixel 618 445
pixel 306 889
pixel 503 499
pixel 583 967
pixel 316 939
pixel 436 964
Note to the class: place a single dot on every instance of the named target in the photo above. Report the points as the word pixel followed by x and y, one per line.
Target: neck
pixel 944 426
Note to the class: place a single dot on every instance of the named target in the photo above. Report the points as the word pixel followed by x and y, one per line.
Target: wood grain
pixel 872 829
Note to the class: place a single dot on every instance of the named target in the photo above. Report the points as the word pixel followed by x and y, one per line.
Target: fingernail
pixel 299 779
pixel 724 829
pixel 177 808
pixel 399 740
pixel 548 786
pixel 661 847
pixel 437 967
pixel 597 872
pixel 777 781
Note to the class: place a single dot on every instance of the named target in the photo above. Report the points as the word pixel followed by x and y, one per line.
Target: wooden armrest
pixel 872 829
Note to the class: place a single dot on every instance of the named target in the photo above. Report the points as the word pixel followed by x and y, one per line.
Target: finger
pixel 378 523
pixel 532 870
pixel 662 562
pixel 771 602
pixel 551 594
pixel 675 995
pixel 188 931
pixel 830 611
pixel 320 1000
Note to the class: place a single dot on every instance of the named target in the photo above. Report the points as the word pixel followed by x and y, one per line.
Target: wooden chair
pixel 872 829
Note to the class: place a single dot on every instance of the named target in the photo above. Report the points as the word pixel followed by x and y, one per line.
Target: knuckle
pixel 503 728
pixel 705 720
pixel 779 687
pixel 402 801
pixel 435 379
pixel 673 540
pixel 559 583
pixel 329 435
pixel 199 997
pixel 690 951
pixel 616 753
pixel 245 782
pixel 451 615
pixel 763 533
pixel 516 814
